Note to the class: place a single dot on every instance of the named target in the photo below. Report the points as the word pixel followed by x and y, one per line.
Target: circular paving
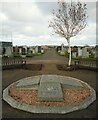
pixel 49 94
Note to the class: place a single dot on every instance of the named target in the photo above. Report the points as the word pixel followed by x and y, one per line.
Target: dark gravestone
pixel 39 49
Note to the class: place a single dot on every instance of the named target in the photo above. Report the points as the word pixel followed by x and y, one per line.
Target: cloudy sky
pixel 26 23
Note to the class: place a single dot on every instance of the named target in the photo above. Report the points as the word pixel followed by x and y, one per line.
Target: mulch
pixel 29 96
pixel 65 67
pixel 33 67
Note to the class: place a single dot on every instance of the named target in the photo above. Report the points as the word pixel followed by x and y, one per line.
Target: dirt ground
pixel 49 60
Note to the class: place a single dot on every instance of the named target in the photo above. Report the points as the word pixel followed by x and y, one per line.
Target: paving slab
pixel 28 82
pixel 49 78
pixel 70 82
pixel 50 92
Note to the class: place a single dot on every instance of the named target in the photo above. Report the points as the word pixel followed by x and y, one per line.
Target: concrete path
pixel 50 56
pixel 49 60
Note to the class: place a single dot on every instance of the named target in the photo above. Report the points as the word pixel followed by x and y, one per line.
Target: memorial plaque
pixel 51 91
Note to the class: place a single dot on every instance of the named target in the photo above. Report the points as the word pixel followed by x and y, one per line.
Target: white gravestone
pixel 74 55
pixel 85 54
pixel 79 52
pixel 36 49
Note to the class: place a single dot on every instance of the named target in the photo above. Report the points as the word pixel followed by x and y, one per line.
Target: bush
pixel 91 56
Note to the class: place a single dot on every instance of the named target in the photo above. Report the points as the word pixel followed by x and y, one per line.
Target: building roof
pixel 4 44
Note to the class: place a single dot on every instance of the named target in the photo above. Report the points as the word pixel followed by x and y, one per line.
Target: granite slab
pixel 50 92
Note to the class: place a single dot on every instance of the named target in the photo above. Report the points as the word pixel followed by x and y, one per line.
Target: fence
pixel 8 63
pixel 83 64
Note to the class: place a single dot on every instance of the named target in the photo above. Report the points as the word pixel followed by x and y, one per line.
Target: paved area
pixel 48 57
pixel 49 62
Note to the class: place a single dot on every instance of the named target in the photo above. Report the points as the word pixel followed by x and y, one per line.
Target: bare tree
pixel 69 20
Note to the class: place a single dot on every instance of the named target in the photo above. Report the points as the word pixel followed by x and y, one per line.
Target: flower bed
pixel 29 96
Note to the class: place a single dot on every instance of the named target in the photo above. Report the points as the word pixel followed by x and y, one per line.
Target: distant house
pixel 6 49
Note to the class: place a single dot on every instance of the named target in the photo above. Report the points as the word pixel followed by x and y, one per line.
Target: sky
pixel 26 23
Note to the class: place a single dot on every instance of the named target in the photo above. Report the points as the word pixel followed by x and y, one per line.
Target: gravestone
pixel 96 54
pixel 62 49
pixel 9 51
pixel 36 49
pixel 79 52
pixel 50 89
pixel 23 50
pixel 58 48
pixel 39 49
pixel 85 54
pixel 42 50
pixel 74 54
pixel 20 50
pixel 33 51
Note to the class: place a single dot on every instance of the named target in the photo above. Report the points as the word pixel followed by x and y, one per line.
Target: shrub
pixel 91 56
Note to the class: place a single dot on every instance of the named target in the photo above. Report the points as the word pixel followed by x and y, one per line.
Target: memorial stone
pixel 79 52
pixel 50 89
pixel 85 54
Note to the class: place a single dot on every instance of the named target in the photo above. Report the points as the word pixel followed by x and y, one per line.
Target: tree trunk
pixel 69 51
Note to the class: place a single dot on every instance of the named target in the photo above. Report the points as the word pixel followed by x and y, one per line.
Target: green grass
pixel 27 55
pixel 37 54
pixel 33 54
pixel 66 54
pixel 16 55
